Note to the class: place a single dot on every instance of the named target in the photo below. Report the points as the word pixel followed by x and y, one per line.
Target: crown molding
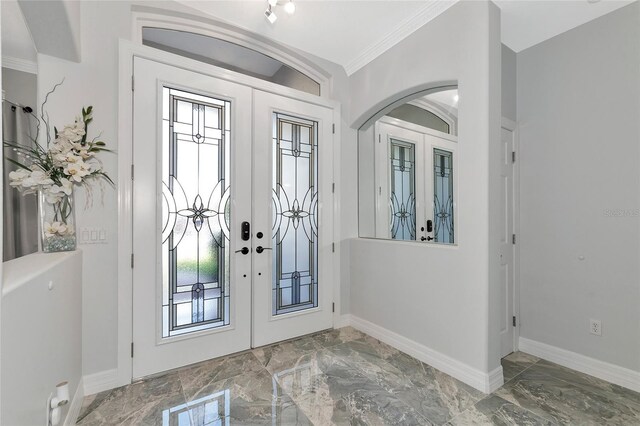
pixel 428 12
pixel 18 64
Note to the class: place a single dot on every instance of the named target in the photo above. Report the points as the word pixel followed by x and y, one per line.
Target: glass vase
pixel 57 222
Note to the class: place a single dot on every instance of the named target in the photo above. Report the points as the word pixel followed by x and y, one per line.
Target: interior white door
pixel 192 190
pixel 507 329
pixel 292 218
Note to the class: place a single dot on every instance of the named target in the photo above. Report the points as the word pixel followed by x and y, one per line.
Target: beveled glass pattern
pixel 443 196
pixel 403 181
pixel 195 212
pixel 295 214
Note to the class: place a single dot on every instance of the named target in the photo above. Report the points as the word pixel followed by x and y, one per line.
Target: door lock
pixel 245 231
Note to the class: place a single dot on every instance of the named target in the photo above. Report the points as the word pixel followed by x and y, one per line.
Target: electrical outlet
pixel 595 327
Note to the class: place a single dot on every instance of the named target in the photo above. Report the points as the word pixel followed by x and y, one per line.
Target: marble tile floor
pixel 346 377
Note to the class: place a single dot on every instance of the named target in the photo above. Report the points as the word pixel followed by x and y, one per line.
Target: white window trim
pixel 144 16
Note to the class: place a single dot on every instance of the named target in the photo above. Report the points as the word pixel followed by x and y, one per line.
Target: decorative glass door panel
pixel 195 230
pixel 403 197
pixel 443 229
pixel 295 214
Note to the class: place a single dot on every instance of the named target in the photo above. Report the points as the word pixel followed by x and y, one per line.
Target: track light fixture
pixel 271 17
pixel 289 7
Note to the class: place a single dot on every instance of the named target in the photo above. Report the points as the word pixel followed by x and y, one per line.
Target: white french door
pixel 232 218
pixel 292 210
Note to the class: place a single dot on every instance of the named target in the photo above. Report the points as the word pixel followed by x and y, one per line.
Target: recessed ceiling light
pixel 456 98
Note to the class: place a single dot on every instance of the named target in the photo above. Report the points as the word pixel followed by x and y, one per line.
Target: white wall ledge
pixel 17 272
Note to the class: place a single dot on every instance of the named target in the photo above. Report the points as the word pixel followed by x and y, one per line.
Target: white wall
pixel 579 115
pixel 94 81
pixel 438 296
pixel 509 84
pixel 41 333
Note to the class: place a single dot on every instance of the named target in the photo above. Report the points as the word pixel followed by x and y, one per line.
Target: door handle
pixel 426 239
pixel 260 249
pixel 243 250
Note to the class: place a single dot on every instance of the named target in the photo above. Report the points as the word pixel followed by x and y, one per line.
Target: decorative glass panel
pixel 403 184
pixel 443 196
pixel 295 214
pixel 195 212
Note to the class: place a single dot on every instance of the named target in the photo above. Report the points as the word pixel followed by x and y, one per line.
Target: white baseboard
pixel 621 376
pixel 75 406
pixel 101 381
pixel 484 382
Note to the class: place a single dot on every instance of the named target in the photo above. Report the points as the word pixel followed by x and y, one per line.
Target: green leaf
pixel 16 163
pixel 100 143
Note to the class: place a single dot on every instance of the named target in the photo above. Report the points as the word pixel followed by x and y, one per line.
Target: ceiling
pixel 353 32
pixel 526 23
pixel 16 39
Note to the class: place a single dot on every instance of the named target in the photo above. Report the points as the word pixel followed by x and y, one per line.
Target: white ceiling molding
pixel 20 64
pixel 405 28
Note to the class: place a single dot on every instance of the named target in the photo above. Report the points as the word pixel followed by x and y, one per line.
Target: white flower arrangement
pixel 67 160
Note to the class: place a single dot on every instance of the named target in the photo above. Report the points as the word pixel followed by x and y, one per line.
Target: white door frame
pixel 127 50
pixel 512 126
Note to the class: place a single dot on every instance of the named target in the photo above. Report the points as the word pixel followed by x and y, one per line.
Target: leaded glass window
pixel 295 214
pixel 443 196
pixel 403 183
pixel 195 212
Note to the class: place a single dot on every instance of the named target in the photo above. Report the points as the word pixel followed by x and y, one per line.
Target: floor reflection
pixel 211 410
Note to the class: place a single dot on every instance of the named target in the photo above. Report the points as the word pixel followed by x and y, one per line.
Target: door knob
pixel 243 250
pixel 260 249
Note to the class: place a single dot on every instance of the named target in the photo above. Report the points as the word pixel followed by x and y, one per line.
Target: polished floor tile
pixel 344 377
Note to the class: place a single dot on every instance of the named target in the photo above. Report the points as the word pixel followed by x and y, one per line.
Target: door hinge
pixel 131 260
pixel 513 239
pixel 131 349
pixel 333 247
pixel 333 188
pixel 379 138
pixel 333 307
pixel 333 128
pixel 132 172
pixel 514 320
pixel 513 156
pixel 133 84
